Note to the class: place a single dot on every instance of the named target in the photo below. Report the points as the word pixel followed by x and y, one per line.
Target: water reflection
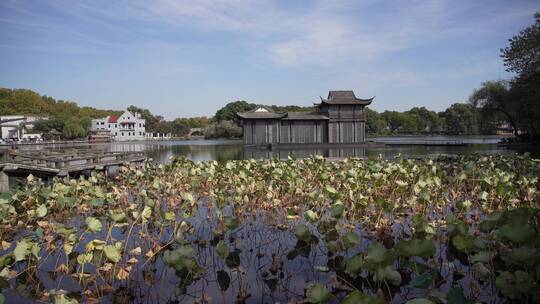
pixel 223 150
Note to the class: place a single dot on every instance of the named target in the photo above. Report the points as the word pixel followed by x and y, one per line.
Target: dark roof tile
pixel 304 116
pixel 345 97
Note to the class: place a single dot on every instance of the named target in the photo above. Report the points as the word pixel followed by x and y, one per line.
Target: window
pixel 140 125
pixel 122 133
pixel 109 125
pixel 115 125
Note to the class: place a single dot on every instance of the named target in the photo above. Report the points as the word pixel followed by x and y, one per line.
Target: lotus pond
pixel 450 230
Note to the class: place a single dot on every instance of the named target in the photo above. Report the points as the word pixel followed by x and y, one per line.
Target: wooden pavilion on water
pixel 338 119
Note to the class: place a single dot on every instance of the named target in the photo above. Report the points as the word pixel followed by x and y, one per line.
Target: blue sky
pixel 187 58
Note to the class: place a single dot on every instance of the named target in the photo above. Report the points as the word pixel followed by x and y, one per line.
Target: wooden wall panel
pixel 248 137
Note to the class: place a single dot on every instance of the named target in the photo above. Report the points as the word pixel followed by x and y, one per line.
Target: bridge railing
pixel 65 161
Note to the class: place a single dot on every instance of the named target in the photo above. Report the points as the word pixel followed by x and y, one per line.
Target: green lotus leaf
pixel 95 245
pixel 479 244
pixel 331 235
pixel 318 293
pixel 525 255
pixel 231 222
pixel 422 226
pixel 181 258
pixel 222 249
pixel 485 256
pixel 519 216
pixel 224 280
pixel 22 250
pixel 422 281
pixel 302 233
pixel 388 274
pixel 168 216
pixel 378 256
pixel 456 226
pixel 464 205
pixel 117 217
pixel 456 296
pixel 463 243
pixel 68 247
pixel 60 298
pixel 525 283
pixel 93 224
pixel 517 232
pixel 351 239
pixel 514 284
pixel 186 251
pixel 419 301
pixel 482 196
pixel 97 202
pixel 375 167
pixel 233 259
pixel 337 211
pixel 61 229
pixel 491 221
pixel 357 297
pixel 311 216
pixel 416 247
pixel 353 265
pixel 41 211
pixel 85 258
pixel 171 257
pixel 146 213
pixel 7 259
pixel 330 189
pixel 112 253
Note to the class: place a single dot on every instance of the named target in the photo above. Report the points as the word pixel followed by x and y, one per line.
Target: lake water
pixel 222 150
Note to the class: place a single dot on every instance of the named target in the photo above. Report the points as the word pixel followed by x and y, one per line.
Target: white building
pixel 128 126
pixel 16 126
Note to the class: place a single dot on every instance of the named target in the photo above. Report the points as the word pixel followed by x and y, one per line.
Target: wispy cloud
pixel 322 33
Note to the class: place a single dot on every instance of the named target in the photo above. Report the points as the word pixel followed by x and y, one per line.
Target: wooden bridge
pixel 48 164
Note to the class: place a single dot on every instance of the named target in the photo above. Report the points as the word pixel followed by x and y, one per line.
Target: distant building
pixel 128 126
pixel 504 129
pixel 340 118
pixel 15 127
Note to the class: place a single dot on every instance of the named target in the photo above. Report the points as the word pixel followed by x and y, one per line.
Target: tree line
pixel 63 116
pixel 458 119
pixel 516 100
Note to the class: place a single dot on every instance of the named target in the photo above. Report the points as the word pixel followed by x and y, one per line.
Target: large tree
pixel 425 120
pixel 461 119
pixel 375 123
pixel 522 57
pixel 494 97
pixel 228 112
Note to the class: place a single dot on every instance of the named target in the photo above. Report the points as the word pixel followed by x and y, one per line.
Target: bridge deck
pixel 50 163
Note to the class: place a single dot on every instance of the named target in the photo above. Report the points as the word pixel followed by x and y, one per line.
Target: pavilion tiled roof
pixel 262 115
pixel 261 112
pixel 345 98
pixel 305 116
